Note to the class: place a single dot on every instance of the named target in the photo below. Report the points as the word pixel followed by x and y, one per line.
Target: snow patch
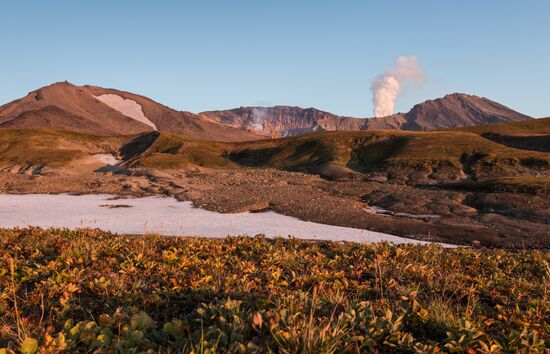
pixel 129 108
pixel 107 159
pixel 167 216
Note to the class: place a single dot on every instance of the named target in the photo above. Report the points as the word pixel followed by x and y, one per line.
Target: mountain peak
pixel 99 111
pixel 458 110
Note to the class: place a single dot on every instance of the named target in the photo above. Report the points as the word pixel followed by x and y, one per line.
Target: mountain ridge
pixel 107 111
pixel 451 111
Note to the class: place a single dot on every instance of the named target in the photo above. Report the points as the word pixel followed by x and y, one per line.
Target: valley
pixel 482 192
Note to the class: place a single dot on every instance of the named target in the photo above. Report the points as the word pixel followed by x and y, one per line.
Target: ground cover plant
pixel 92 291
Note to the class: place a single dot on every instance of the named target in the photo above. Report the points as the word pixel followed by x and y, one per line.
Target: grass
pixel 89 291
pixel 49 147
pixel 527 127
pixel 459 155
pixel 528 135
pixel 445 153
pixel 169 151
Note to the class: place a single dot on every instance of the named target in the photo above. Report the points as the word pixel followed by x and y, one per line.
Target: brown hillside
pixel 64 106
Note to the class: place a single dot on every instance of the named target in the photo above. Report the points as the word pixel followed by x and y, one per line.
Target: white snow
pixel 107 159
pixel 166 216
pixel 129 108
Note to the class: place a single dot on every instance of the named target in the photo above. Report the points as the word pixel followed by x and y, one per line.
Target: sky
pixel 204 55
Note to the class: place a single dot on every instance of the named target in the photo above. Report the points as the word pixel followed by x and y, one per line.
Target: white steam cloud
pixel 385 87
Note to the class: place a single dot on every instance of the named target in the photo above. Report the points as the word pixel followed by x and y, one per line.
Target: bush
pixel 88 290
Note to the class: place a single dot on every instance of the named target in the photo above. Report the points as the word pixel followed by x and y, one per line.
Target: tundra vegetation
pixel 92 291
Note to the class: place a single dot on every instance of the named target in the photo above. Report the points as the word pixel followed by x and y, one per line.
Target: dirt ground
pixel 486 219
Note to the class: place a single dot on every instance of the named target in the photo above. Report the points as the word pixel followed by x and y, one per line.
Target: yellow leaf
pixel 29 346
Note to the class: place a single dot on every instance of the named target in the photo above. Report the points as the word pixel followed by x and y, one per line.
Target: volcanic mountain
pixel 452 111
pixel 108 112
pixel 283 120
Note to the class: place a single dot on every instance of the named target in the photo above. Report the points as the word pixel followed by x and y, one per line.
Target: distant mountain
pixel 452 111
pixel 108 112
pixel 283 120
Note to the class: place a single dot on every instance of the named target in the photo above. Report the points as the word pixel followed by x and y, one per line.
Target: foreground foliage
pixel 88 290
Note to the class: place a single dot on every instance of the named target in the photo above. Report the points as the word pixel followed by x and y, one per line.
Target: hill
pixel 37 151
pixel 412 157
pixel 529 135
pixel 108 112
pixel 470 154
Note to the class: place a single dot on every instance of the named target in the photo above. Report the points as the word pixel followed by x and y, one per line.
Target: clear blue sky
pixel 201 55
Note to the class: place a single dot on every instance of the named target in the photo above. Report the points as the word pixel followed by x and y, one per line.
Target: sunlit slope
pixel 30 150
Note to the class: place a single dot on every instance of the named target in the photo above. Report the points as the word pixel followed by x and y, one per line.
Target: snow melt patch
pixel 166 216
pixel 129 108
pixel 107 159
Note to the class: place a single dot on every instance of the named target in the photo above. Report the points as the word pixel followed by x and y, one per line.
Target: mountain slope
pixel 65 106
pixel 108 112
pixel 189 124
pixel 452 111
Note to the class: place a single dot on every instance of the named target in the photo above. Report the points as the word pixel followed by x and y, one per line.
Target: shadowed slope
pixel 529 135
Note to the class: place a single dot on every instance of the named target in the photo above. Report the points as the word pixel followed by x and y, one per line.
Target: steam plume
pixel 385 87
